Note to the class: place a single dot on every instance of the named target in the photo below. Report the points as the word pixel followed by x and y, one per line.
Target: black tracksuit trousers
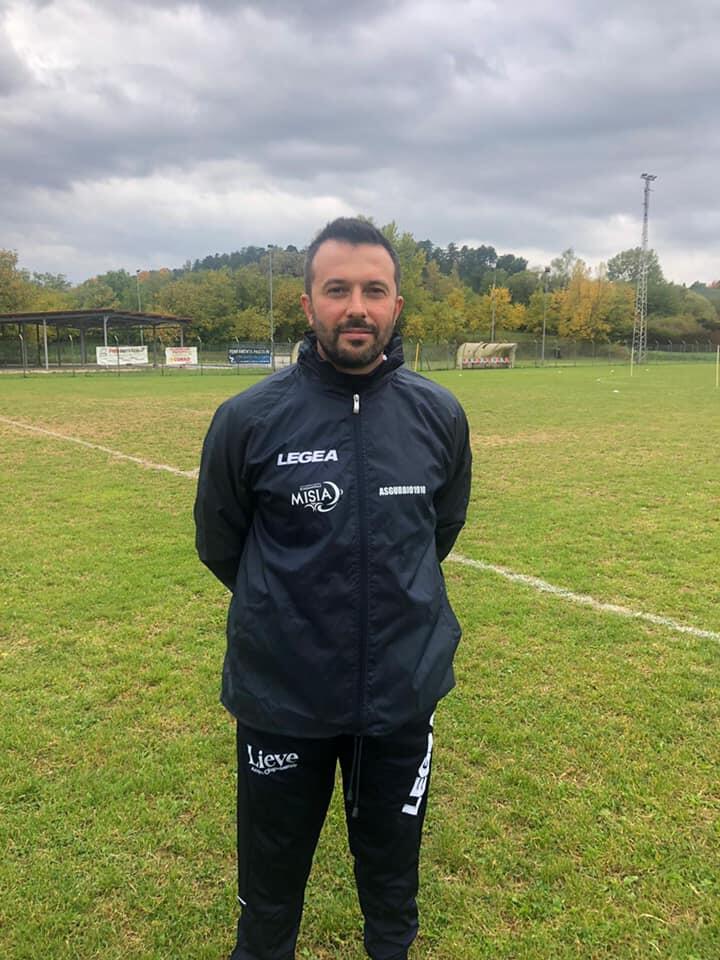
pixel 284 789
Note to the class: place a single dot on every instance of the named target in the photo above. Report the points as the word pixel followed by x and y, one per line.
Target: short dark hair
pixel 355 231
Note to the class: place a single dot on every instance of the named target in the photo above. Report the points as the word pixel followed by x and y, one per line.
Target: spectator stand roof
pixel 98 319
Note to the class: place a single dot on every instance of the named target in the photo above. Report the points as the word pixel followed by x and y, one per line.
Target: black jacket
pixel 325 503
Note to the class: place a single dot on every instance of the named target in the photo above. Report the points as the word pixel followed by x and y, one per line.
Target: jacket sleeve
pixel 224 502
pixel 451 500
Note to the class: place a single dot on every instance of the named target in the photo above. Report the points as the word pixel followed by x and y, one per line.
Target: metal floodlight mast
pixel 639 342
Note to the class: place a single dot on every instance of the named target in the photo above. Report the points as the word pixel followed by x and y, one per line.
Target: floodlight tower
pixel 639 341
pixel 493 264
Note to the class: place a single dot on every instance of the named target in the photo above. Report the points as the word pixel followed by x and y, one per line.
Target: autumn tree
pixel 152 283
pixel 710 292
pixel 536 311
pixel 562 268
pixel 621 309
pixel 252 287
pixel 252 323
pixel 510 264
pixel 123 286
pixel 414 326
pixel 665 299
pixel 587 305
pixel 51 281
pixel 49 298
pixel 207 298
pixel 412 266
pixel 446 318
pixel 675 328
pixel 288 316
pixel 508 315
pixel 701 309
pixel 555 308
pixel 437 284
pixel 94 294
pixel 474 266
pixel 522 285
pixel 15 292
pixel 625 266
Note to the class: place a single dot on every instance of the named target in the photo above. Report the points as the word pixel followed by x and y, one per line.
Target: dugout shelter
pixel 108 322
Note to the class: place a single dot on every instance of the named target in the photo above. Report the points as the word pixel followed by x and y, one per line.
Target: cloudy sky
pixel 143 134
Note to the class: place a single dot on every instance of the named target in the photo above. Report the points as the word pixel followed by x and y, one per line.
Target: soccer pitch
pixel 575 806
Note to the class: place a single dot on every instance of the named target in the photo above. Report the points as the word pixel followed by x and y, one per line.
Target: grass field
pixel 575 809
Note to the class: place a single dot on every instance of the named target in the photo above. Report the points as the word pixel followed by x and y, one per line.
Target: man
pixel 327 497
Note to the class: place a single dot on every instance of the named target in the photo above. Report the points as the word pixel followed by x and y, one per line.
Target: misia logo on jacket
pixel 320 497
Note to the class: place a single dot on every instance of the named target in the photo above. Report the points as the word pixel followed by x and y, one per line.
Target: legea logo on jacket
pixel 306 456
pixel 320 497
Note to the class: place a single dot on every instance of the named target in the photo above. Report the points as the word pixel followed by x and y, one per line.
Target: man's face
pixel 353 304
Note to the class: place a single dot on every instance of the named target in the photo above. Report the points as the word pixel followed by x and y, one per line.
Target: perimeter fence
pixel 238 357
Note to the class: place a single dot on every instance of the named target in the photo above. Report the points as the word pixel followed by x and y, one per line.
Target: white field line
pixel 535 583
pixel 583 599
pixel 191 474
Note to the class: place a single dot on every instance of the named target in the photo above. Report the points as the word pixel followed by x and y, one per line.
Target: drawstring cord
pixel 354 791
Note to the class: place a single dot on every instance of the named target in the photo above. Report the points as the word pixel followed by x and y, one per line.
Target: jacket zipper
pixel 362 510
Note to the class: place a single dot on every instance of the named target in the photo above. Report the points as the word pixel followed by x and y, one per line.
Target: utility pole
pixel 546 277
pixel 272 319
pixel 137 281
pixel 638 353
pixel 492 308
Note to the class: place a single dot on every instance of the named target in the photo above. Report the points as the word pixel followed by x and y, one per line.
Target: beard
pixel 361 354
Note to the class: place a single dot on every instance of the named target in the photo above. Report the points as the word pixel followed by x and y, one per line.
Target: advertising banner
pixel 250 356
pixel 181 356
pixel 121 356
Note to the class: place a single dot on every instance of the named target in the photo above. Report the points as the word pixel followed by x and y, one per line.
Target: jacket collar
pixel 311 362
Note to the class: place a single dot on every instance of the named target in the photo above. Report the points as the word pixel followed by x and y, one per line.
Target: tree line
pixel 451 294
